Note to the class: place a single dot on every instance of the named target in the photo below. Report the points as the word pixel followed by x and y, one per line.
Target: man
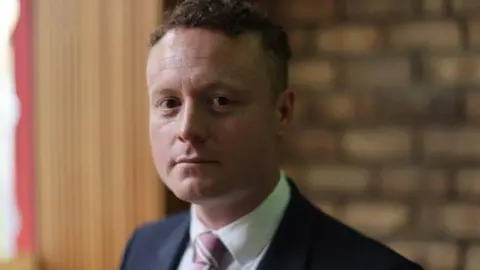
pixel 217 77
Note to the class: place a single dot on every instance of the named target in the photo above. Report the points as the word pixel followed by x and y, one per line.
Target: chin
pixel 194 189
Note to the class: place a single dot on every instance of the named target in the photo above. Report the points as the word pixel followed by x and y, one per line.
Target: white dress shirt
pixel 247 238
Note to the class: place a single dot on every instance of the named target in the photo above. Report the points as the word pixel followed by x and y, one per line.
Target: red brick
pixel 466 6
pixel 378 8
pixel 451 144
pixel 329 208
pixel 349 39
pixel 450 70
pixel 377 219
pixel 335 108
pixel 462 220
pixel 366 107
pixel 402 107
pixel 307 11
pixel 442 256
pixel 312 73
pixel 430 218
pixel 412 181
pixel 342 179
pixel 468 183
pixel 434 7
pixel 301 108
pixel 413 250
pixel 310 143
pixel 377 144
pixel 299 40
pixel 435 183
pixel 385 72
pixel 443 107
pixel 473 258
pixel 400 182
pixel 474 32
pixel 427 190
pixel 472 101
pixel 432 255
pixel 342 107
pixel 426 35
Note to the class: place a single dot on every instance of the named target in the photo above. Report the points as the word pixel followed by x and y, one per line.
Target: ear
pixel 284 109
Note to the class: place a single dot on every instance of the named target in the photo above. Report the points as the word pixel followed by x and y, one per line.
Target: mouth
pixel 195 161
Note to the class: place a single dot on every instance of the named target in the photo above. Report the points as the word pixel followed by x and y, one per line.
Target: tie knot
pixel 209 251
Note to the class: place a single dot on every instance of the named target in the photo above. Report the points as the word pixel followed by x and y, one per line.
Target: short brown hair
pixel 232 18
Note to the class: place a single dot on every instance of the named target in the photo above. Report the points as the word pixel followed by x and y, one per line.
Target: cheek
pixel 160 139
pixel 247 135
pixel 160 131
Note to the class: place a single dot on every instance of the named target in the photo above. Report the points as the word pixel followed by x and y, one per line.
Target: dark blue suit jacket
pixel 306 238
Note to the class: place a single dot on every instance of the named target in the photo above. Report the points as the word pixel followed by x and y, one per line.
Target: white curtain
pixel 9 115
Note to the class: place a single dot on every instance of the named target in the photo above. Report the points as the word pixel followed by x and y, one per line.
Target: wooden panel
pixel 95 177
pixel 22 262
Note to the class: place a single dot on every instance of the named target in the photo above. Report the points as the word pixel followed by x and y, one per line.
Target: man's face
pixel 214 125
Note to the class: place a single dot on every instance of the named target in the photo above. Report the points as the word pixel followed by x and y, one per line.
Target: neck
pixel 223 211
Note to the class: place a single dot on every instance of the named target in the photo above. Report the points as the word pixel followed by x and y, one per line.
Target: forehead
pixel 189 48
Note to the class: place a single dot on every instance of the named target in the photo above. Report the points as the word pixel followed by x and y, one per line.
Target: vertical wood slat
pixel 95 179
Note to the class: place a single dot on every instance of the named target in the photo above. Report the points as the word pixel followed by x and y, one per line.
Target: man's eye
pixel 168 103
pixel 221 101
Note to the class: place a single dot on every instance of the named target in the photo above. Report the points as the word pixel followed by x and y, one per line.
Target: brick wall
pixel 387 131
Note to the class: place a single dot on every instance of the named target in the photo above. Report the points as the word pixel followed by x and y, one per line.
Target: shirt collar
pixel 246 237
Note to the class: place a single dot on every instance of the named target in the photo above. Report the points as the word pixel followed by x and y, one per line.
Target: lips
pixel 195 160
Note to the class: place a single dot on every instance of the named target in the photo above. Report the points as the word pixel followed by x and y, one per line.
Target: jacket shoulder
pixel 161 227
pixel 146 237
pixel 347 247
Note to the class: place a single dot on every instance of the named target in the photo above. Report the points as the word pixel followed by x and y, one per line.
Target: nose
pixel 192 122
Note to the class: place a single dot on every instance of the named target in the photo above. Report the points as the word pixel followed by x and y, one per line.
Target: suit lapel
pixel 172 250
pixel 288 249
pixel 290 244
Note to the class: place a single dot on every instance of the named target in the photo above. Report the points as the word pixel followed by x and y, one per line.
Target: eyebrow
pixel 208 86
pixel 159 91
pixel 218 84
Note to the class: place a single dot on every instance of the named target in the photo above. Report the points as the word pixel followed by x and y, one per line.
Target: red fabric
pixel 25 188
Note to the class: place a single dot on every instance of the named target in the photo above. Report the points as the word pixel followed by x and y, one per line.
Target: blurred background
pixel 386 136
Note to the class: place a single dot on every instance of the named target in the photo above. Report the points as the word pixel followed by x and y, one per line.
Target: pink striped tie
pixel 209 252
